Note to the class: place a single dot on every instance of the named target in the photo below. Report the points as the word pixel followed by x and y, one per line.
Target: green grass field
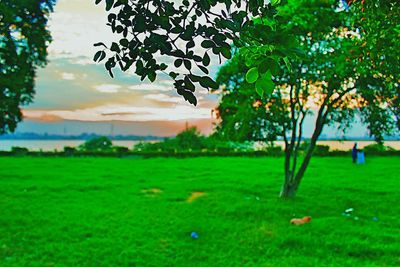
pixel 134 212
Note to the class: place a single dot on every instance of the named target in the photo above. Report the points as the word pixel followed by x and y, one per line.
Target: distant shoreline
pixel 51 145
pixel 28 137
pixel 86 136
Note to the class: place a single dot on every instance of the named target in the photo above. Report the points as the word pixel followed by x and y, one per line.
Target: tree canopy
pixel 187 34
pixel 23 42
pixel 379 57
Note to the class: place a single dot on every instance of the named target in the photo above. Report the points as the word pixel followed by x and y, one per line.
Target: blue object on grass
pixel 375 219
pixel 194 235
pixel 360 157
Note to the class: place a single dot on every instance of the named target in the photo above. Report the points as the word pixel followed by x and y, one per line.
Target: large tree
pixel 23 42
pixel 327 84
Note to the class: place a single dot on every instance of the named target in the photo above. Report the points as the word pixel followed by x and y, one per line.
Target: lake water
pixel 51 145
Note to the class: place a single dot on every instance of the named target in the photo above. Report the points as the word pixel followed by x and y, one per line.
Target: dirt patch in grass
pixel 152 191
pixel 194 196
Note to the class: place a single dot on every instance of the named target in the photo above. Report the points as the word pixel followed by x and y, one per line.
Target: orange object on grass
pixel 303 220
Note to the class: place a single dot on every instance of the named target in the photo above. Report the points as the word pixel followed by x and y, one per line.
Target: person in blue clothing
pixel 354 153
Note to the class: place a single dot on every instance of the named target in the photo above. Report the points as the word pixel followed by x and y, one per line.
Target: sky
pixel 76 95
pixel 72 89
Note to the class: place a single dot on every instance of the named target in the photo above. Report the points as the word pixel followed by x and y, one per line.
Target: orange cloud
pixel 41 117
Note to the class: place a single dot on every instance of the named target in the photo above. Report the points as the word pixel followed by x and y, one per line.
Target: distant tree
pixel 327 82
pixel 187 33
pixel 69 150
pixel 23 42
pixel 97 144
pixel 19 151
pixel 190 138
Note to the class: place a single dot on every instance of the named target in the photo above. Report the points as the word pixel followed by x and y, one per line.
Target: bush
pixel 274 150
pixel 120 149
pixel 374 148
pixel 304 145
pixel 190 139
pixel 19 151
pixel 97 144
pixel 321 150
pixel 69 150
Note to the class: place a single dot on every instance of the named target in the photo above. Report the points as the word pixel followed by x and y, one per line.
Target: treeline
pixel 189 143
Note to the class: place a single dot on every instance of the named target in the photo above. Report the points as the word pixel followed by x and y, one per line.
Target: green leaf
pixel 190 44
pixel 207 44
pixel 188 64
pixel 178 62
pixel 163 66
pixel 252 75
pixel 152 76
pixel 97 56
pixel 265 84
pixel 203 69
pixel 109 4
pixel 206 59
pixel 275 2
pixel 226 52
pixel 259 90
pixel 102 56
pixel 189 85
pixel 173 75
pixel 111 73
pixel 190 97
pixel 207 82
pixel 287 63
pixel 124 42
pixel 100 44
pixel 115 48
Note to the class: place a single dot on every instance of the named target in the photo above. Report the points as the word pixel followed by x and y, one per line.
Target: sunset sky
pixel 76 95
pixel 72 88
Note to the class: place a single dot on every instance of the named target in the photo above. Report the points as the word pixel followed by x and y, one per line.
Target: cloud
pixel 108 88
pixel 125 113
pixel 82 61
pixel 68 76
pixel 164 98
pixel 43 117
pixel 151 87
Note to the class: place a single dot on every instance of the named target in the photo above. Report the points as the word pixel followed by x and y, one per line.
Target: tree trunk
pixel 288 190
pixel 293 177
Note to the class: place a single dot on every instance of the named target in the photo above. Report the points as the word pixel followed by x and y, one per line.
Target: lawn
pixel 141 212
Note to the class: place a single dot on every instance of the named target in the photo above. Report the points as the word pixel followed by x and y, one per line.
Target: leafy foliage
pixel 187 34
pixel 188 140
pixel 374 148
pixel 241 111
pixel 379 26
pixel 23 42
pixel 97 144
pixel 191 140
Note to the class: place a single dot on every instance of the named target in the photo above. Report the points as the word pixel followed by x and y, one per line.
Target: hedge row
pixel 185 154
